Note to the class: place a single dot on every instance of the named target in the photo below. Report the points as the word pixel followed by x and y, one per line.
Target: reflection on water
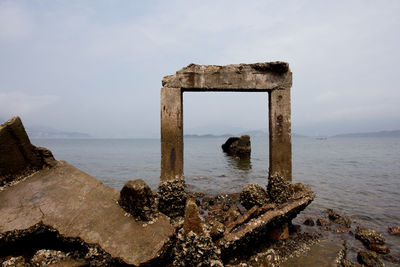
pixel 240 163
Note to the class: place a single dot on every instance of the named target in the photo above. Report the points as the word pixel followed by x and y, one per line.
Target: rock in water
pixel 369 258
pixel 279 190
pixel 338 219
pixel 137 198
pixel 17 155
pixel 369 236
pixel 240 146
pixel 253 194
pixel 394 230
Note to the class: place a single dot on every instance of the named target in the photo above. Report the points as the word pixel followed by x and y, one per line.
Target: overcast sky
pixel 96 66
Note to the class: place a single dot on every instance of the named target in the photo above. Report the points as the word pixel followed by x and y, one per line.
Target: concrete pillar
pixel 171 134
pixel 280 139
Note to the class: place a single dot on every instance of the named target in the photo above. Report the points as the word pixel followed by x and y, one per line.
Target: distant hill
pixel 395 133
pixel 252 133
pixel 39 132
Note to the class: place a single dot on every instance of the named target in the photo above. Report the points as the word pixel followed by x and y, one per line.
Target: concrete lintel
pixel 237 77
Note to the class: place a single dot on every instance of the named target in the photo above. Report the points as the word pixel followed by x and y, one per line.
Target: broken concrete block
pixel 137 198
pixel 253 194
pixel 18 157
pixel 192 222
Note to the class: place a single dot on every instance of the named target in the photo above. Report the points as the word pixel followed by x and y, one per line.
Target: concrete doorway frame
pixel 273 77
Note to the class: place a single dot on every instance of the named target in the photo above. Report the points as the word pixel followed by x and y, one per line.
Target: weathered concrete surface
pixel 259 220
pixel 17 155
pixel 78 205
pixel 258 76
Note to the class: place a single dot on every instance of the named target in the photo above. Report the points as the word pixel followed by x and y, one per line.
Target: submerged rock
pixel 324 224
pixel 394 230
pixel 369 258
pixel 137 198
pixel 309 222
pixel 253 194
pixel 338 219
pixel 279 190
pixel 240 146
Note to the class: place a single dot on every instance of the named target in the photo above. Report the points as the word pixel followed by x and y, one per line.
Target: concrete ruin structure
pixel 275 78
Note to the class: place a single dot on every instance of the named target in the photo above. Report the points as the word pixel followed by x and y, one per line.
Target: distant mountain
pixel 395 133
pixel 41 132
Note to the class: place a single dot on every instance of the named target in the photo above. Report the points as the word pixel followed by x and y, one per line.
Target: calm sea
pixel 359 177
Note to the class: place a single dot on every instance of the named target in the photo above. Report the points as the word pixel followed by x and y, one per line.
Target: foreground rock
pixel 137 198
pixel 253 194
pixel 77 206
pixel 18 157
pixel 371 239
pixel 369 258
pixel 239 146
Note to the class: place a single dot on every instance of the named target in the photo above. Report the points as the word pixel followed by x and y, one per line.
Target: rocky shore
pixel 52 214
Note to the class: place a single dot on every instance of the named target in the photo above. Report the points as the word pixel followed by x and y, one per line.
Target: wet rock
pixel 253 194
pixel 239 146
pixel 18 157
pixel 394 230
pixel 46 257
pixel 279 190
pixel 369 258
pixel 269 258
pixel 309 222
pixel 280 232
pixel 192 221
pixel 324 224
pixel 369 236
pixel 217 230
pixel 232 214
pixel 347 263
pixel 15 262
pixel 137 198
pixel 172 198
pixel 381 249
pixel 195 250
pixel 338 219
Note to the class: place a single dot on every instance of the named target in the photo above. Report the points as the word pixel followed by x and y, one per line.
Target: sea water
pixel 358 177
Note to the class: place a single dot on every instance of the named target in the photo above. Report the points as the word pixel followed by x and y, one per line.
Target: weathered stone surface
pixel 369 258
pixel 253 194
pixel 137 198
pixel 338 219
pixel 280 232
pixel 232 214
pixel 279 190
pixel 79 206
pixel 239 146
pixel 394 230
pixel 368 236
pixel 17 155
pixel 258 76
pixel 172 198
pixel 259 220
pixel 217 229
pixel 192 222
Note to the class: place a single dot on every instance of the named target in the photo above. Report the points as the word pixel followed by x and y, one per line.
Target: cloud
pixel 15 22
pixel 21 104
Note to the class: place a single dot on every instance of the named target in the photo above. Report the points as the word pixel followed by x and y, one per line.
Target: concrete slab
pixel 79 206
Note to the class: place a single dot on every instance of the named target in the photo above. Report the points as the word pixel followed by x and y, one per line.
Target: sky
pixel 96 66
